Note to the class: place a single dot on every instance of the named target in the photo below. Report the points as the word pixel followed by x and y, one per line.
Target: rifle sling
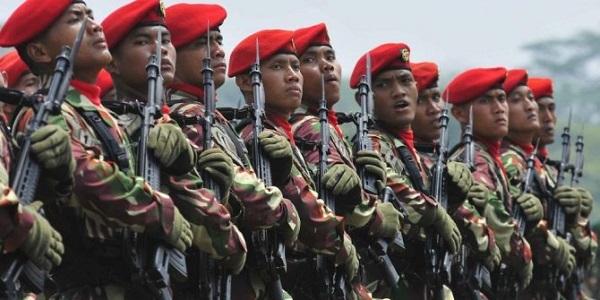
pixel 412 169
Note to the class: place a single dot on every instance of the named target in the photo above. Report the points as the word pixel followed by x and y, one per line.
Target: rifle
pixel 377 249
pixel 268 253
pixel 154 269
pixel 217 283
pixel 577 277
pixel 17 271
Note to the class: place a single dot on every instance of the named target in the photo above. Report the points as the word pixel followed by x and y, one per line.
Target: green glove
pixel 446 227
pixel 492 261
pixel 569 198
pixel 43 244
pixel 373 163
pixel 172 149
pixel 478 195
pixel 181 234
pixel 532 207
pixel 391 220
pixel 51 145
pixel 351 263
pixel 587 202
pixel 218 165
pixel 340 180
pixel 460 180
pixel 525 274
pixel 279 152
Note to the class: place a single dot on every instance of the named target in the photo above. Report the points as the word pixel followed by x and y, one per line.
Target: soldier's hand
pixel 43 244
pixel 218 165
pixel 391 220
pixel 340 180
pixel 532 207
pixel 560 253
pixel 492 261
pixel 181 235
pixel 350 262
pixel 447 228
pixel 373 163
pixel 569 198
pixel 172 149
pixel 587 202
pixel 478 195
pixel 525 274
pixel 460 180
pixel 279 152
pixel 51 146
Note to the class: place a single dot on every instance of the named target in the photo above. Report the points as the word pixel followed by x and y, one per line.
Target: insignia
pixel 162 9
pixel 405 53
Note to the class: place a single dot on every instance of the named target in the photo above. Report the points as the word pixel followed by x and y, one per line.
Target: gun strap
pixel 115 152
pixel 412 169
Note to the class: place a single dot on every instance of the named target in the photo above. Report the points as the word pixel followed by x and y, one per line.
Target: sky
pixel 456 34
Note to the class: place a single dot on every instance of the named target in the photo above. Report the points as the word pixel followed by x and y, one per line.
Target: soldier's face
pixel 522 111
pixel 547 120
pixel 426 126
pixel 282 81
pixel 131 57
pixel 490 115
pixel 93 54
pixel 190 56
pixel 395 98
pixel 317 61
pixel 28 83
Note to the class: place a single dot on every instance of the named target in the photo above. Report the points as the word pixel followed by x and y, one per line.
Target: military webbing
pixel 114 151
pixel 412 169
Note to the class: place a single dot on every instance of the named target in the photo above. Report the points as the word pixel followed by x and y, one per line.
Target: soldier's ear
pixel 38 53
pixel 461 113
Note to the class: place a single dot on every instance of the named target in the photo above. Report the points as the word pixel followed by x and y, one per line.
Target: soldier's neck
pixel 520 138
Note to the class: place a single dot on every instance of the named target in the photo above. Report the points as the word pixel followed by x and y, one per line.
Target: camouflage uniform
pixel 253 205
pixel 489 171
pixel 321 231
pixel 107 201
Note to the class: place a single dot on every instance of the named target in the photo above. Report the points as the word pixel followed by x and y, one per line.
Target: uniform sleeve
pixel 482 238
pixel 307 133
pixel 585 241
pixel 515 172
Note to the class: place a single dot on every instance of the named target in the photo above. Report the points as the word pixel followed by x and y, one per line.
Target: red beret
pixel 137 13
pixel 270 42
pixel 189 21
pixel 474 83
pixel 14 67
pixel 514 79
pixel 383 57
pixel 315 35
pixel 541 87
pixel 104 82
pixel 426 74
pixel 30 19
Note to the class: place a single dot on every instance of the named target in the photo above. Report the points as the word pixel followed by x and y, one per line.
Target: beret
pixel 270 42
pixel 189 21
pixel 541 87
pixel 383 57
pixel 426 74
pixel 120 22
pixel 473 83
pixel 14 67
pixel 514 79
pixel 306 37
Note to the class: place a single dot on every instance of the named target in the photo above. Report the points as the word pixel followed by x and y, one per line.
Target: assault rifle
pixel 17 272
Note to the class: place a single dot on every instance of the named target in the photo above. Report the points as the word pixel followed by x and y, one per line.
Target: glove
pixel 340 180
pixel 373 163
pixel 172 149
pixel 350 262
pixel 560 253
pixel 279 151
pixel 460 180
pixel 43 244
pixel 181 234
pixel 478 195
pixel 391 222
pixel 492 261
pixel 51 146
pixel 587 202
pixel 445 226
pixel 218 165
pixel 525 274
pixel 569 198
pixel 532 207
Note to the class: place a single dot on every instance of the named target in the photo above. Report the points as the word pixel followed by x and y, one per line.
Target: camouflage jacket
pixel 306 128
pixel 320 230
pixel 497 212
pixel 465 215
pixel 15 222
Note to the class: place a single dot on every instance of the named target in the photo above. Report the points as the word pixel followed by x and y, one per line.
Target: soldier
pixel 359 208
pixel 252 204
pixel 426 128
pixel 18 78
pixel 394 103
pixel 23 228
pixel 517 147
pixel 480 89
pixel 320 231
pixel 108 201
pixel 584 240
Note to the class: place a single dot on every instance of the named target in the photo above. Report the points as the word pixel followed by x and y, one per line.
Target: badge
pixel 405 53
pixel 162 9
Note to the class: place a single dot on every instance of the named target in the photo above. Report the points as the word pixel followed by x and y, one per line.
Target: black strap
pixel 412 169
pixel 114 151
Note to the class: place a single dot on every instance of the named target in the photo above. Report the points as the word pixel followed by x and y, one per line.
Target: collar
pixel 543 152
pixel 493 148
pixel 91 91
pixel 283 123
pixel 193 90
pixel 407 137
